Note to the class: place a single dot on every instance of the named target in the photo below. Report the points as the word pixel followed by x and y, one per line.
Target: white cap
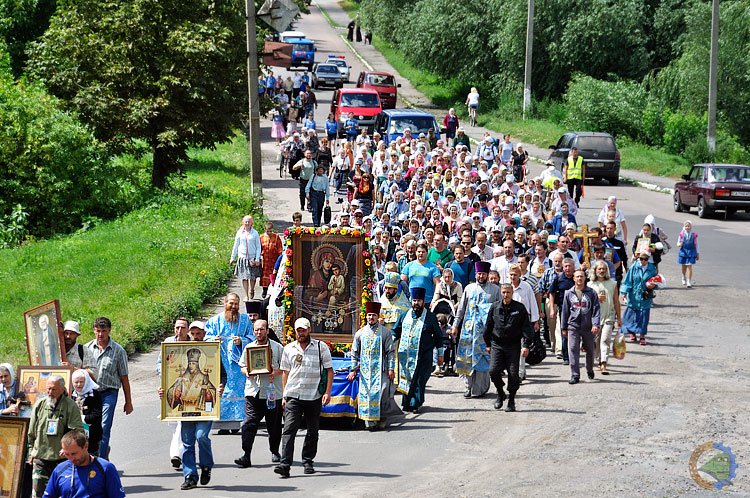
pixel 562 190
pixel 509 201
pixel 197 325
pixel 301 323
pixel 72 325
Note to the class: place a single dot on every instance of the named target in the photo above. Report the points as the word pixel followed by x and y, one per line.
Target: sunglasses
pixel 643 259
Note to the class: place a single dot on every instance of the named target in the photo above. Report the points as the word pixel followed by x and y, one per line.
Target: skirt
pixel 277 130
pixel 244 271
pixel 635 321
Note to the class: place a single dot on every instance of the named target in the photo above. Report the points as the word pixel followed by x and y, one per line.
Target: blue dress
pixel 689 249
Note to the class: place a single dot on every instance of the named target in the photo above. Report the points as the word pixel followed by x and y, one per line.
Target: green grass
pixel 141 270
pixel 350 7
pixel 333 23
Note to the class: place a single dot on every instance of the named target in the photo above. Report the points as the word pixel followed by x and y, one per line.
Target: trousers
pixel 109 403
pixel 192 432
pixel 604 342
pixel 255 410
pixel 505 359
pixel 575 336
pixel 295 408
pixel 317 199
pixel 574 189
pixel 302 193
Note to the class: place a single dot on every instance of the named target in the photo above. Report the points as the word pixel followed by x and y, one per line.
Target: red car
pixel 363 102
pixel 714 186
pixel 383 83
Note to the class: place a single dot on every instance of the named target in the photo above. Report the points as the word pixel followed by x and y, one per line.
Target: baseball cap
pixel 301 323
pixel 197 324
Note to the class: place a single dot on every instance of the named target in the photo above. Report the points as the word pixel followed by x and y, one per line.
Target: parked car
pixel 326 75
pixel 364 103
pixel 340 62
pixel 599 152
pixel 392 122
pixel 714 186
pixel 383 83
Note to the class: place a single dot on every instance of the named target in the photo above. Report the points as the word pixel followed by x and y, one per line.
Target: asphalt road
pixel 627 435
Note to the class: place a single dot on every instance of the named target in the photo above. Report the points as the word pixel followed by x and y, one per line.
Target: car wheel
pixel 614 181
pixel 677 204
pixel 703 210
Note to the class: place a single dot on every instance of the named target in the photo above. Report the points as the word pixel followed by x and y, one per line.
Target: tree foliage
pixel 169 73
pixel 22 21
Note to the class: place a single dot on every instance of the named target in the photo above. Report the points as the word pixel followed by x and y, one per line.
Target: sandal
pixel 643 341
pixel 632 338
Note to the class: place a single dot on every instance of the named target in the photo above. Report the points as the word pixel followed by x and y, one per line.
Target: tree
pixel 169 73
pixel 22 21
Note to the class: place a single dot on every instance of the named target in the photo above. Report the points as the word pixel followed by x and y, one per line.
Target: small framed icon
pixel 258 360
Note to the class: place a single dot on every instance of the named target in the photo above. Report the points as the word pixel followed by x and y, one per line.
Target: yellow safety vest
pixel 574 170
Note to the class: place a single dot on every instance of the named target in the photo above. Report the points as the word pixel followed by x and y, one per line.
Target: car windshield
pixel 416 124
pixel 359 100
pixel 729 174
pixel 302 47
pixel 596 143
pixel 328 69
pixel 380 80
pixel 338 62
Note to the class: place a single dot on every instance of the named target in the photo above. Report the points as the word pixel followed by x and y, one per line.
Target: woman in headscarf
pixel 8 390
pixel 86 395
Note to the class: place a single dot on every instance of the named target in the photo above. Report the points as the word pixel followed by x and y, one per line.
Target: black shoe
pixel 573 380
pixel 188 484
pixel 499 401
pixel 282 470
pixel 511 405
pixel 205 475
pixel 566 362
pixel 591 375
pixel 243 462
pixel 176 462
pixel 415 410
pixel 275 457
pixel 309 469
pixel 223 432
pixel 467 393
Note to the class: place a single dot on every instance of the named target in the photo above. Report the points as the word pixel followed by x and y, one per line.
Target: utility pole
pixel 712 77
pixel 252 98
pixel 529 47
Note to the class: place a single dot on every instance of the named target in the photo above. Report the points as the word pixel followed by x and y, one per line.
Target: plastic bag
pixel 658 280
pixel 619 347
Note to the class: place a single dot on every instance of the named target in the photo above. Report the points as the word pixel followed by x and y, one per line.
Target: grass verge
pixel 141 270
pixel 350 7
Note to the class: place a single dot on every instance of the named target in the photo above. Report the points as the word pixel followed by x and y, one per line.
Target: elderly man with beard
pixel 51 417
pixel 393 300
pixel 234 330
pixel 181 326
pixel 418 333
pixel 472 359
pixel 77 355
pixel 374 358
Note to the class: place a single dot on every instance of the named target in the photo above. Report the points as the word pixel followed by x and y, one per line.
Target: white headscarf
pixel 88 387
pixel 12 372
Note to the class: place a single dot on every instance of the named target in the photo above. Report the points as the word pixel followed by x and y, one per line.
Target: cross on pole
pixel 585 235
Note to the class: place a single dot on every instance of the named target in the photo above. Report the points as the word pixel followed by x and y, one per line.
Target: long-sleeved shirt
pixel 524 294
pixel 47 446
pixel 508 326
pixel 318 183
pixel 387 347
pixel 580 313
pixel 397 208
pixel 635 283
pixel 246 245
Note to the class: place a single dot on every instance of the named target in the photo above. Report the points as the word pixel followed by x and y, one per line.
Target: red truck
pixel 363 102
pixel 383 83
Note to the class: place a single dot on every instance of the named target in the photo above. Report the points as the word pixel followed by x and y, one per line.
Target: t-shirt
pixel 463 272
pixel 97 479
pixel 422 275
pixel 473 98
pixel 440 257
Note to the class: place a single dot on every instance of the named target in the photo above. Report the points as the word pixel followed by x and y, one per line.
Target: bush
pixel 653 125
pixel 728 150
pixel 611 107
pixel 550 109
pixel 682 129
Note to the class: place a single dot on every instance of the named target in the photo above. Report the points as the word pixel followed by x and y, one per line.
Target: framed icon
pixel 258 360
pixel 44 336
pixel 13 432
pixel 642 246
pixel 31 384
pixel 190 375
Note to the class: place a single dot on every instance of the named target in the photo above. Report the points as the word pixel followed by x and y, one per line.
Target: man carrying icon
pixel 374 357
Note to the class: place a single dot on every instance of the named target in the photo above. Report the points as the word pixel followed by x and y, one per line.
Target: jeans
pixel 302 193
pixel 255 410
pixel 292 418
pixel 109 404
pixel 190 432
pixel 502 359
pixel 317 200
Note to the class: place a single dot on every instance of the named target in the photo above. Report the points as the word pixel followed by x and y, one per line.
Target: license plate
pixel 594 165
pixel 741 194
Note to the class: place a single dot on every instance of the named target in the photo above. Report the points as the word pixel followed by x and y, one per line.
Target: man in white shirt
pixel 481 248
pixel 503 263
pixel 302 364
pixel 524 294
pixel 562 248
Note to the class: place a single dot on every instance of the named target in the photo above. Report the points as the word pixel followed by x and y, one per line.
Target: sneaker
pixel 566 362
pixel 573 380
pixel 275 458
pixel 176 462
pixel 684 281
pixel 591 375
pixel 689 284
pixel 436 371
pixel 282 470
pixel 243 462
pixel 309 469
pixel 205 475
pixel 188 484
